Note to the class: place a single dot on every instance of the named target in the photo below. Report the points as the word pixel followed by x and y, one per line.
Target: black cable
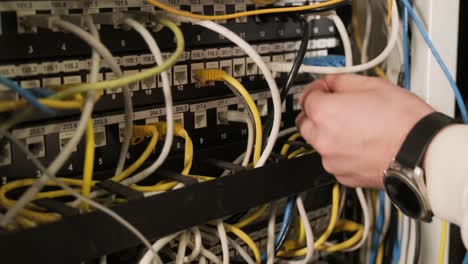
pixel 294 70
pixel 417 247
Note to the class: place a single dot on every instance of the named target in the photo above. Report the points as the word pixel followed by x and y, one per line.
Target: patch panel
pixel 201 119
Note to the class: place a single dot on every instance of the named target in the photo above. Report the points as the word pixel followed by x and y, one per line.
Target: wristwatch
pixel 404 180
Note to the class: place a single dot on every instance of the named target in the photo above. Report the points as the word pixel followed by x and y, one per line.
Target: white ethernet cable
pixel 155 50
pixel 112 63
pixel 210 231
pixel 184 237
pixel 412 242
pixel 387 215
pixel 68 149
pixel 286 67
pixel 271 234
pixel 365 211
pixel 367 33
pixel 223 240
pixel 46 173
pixel 236 116
pixel 308 232
pixel 405 239
pixel 197 245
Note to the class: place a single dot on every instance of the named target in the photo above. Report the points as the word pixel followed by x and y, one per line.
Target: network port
pixel 180 75
pixel 239 67
pixel 5 154
pixel 200 119
pixel 226 66
pixel 179 119
pixel 36 146
pixel 251 67
pixel 100 136
pixel 64 138
pixel 262 106
pixel 222 113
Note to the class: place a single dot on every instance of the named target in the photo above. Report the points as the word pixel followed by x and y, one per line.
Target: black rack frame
pixel 84 237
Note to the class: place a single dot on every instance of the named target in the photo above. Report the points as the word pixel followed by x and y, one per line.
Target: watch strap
pixel 419 138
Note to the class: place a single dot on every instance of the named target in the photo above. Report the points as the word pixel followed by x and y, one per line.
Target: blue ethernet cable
pixel 465 259
pixel 440 61
pixel 27 95
pixel 406 63
pixel 288 210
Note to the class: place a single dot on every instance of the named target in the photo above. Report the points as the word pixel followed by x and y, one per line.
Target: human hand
pixel 358 125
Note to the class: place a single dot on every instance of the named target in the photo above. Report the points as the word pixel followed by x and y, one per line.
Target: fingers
pixel 306 128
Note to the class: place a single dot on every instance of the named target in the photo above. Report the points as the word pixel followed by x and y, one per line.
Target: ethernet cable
pixel 223 239
pixel 235 116
pixel 271 234
pixel 275 96
pixel 94 204
pixel 210 231
pixel 246 239
pixel 465 259
pixel 119 82
pixel 344 38
pixel 27 95
pixel 182 13
pixel 285 67
pixel 88 167
pixel 308 231
pixel 298 61
pixel 188 158
pixel 182 248
pixel 412 242
pixel 55 166
pixel 139 132
pixel 440 61
pixel 443 242
pixel 155 50
pixel 197 245
pixel 405 239
pixel 367 33
pixel 108 57
pixel 205 76
pixel 6 106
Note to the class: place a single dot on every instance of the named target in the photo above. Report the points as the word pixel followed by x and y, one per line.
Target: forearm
pixel 446 166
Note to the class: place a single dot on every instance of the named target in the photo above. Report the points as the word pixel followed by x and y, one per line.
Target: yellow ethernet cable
pixel 111 84
pixel 286 146
pixel 247 240
pixel 88 167
pixel 188 159
pixel 205 76
pixel 182 13
pixel 342 225
pixel 140 132
pixel 7 106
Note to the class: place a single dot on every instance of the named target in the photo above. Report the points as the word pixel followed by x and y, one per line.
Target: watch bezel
pixel 399 179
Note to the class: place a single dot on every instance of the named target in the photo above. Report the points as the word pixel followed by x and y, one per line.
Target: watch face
pixel 404 194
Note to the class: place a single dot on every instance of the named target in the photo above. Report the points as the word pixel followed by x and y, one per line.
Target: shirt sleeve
pixel 446 167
